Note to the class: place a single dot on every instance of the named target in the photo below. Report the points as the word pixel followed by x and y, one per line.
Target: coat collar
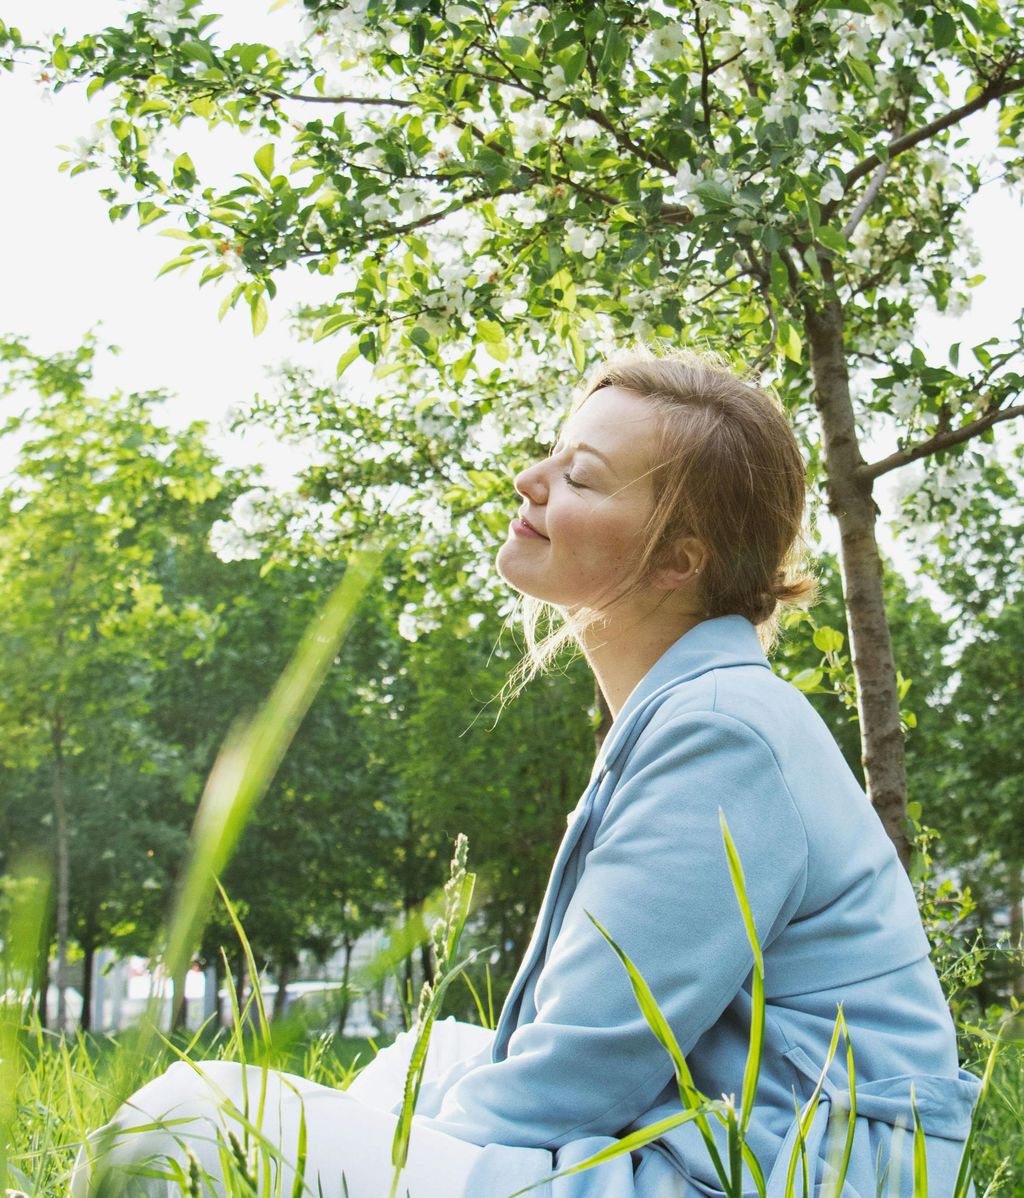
pixel 710 645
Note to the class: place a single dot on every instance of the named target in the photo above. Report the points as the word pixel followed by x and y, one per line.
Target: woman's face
pixel 590 500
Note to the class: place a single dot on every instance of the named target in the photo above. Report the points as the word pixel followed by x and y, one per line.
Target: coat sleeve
pixel 657 879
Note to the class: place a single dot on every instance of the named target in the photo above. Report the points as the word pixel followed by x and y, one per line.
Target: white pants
pixel 348 1133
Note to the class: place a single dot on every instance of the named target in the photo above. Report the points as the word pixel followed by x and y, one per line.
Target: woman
pixel 663 528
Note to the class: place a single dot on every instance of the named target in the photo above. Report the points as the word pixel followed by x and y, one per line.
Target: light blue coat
pixel 573 1062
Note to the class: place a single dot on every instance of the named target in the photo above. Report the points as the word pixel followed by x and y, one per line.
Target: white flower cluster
pixel 664 44
pixel 238 537
pixel 582 132
pixel 581 240
pixel 531 126
pixel 525 22
pixel 418 619
pixel 522 209
pixel 342 32
pixel 165 18
pixel 904 396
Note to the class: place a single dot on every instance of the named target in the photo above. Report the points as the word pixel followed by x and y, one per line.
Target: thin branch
pixel 389 102
pixel 705 98
pixel 390 232
pixel 873 188
pixel 907 142
pixel 944 440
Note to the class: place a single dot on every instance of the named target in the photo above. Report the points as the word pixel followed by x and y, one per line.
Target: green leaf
pixel 860 6
pixel 807 680
pixel 713 194
pixel 943 30
pixel 828 640
pixel 832 239
pixel 258 310
pixel 199 52
pixel 490 332
pixel 184 170
pixel 861 70
pixel 579 355
pixel 174 264
pixel 789 341
pixel 264 159
pixel 331 324
pixel 574 63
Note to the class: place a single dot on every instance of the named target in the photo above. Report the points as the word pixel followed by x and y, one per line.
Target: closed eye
pixel 573 483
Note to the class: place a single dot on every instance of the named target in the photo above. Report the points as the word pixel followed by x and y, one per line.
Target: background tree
pixel 83 621
pixel 484 185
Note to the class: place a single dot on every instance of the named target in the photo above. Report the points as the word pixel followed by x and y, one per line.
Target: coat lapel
pixel 711 645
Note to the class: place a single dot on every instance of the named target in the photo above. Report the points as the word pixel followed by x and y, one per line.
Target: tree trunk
pixel 88 957
pixel 63 870
pixel 1014 895
pixel 282 992
pixel 850 502
pixel 345 974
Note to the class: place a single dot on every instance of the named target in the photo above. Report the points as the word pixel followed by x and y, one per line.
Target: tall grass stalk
pixel 447 934
pixel 26 895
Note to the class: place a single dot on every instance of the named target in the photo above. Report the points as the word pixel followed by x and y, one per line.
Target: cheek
pixel 595 538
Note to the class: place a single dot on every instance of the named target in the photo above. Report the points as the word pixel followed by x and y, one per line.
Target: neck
pixel 624 649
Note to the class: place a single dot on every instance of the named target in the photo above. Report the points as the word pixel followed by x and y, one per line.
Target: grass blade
pixel 632 1142
pixel 963 1176
pixel 752 1069
pixel 691 1097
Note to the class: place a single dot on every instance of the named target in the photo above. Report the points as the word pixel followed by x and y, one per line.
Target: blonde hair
pixel 728 472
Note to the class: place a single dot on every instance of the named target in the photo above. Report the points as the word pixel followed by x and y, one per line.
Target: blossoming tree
pixel 492 193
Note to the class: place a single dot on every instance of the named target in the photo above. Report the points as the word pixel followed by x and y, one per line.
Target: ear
pixel 683 566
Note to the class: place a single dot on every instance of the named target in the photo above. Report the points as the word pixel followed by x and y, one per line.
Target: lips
pixel 529 525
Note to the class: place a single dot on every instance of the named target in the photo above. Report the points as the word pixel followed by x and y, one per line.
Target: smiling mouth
pixel 523 520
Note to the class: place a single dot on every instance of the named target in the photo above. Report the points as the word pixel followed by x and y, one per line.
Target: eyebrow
pixel 590 449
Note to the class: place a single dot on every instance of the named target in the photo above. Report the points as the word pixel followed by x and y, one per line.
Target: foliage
pixel 494 195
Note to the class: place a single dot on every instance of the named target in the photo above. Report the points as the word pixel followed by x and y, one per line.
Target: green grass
pixel 67 1086
pixel 54 1090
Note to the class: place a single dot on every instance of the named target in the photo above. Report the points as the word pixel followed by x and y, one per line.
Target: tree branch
pixel 898 145
pixel 389 102
pixel 943 440
pixel 873 188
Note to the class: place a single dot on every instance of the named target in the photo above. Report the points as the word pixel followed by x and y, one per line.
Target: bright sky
pixel 68 269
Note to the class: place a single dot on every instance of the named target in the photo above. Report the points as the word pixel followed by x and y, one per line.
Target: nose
pixel 531 484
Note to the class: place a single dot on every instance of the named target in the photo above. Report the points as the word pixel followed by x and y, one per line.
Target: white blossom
pixel 904 397
pixel 524 24
pixel 164 18
pixel 408 629
pixel 458 13
pixel 250 513
pixel 513 307
pixel 454 271
pixel 833 190
pixel 554 82
pixel 531 126
pixel 665 43
pixel 582 131
pixel 412 203
pixel 231 544
pixel 881 19
pixel 378 209
pixel 486 269
pixel 579 240
pixel 686 181
pixel 524 210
